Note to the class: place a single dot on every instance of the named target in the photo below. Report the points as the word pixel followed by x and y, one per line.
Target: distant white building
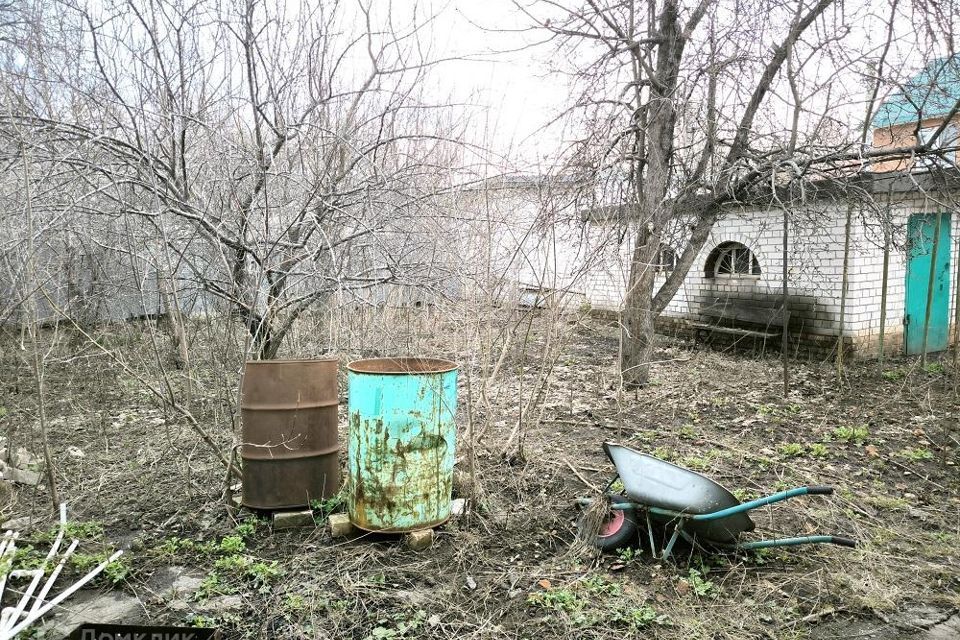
pixel 733 291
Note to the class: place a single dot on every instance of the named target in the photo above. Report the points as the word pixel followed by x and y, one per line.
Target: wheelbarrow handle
pixel 843 542
pixel 759 502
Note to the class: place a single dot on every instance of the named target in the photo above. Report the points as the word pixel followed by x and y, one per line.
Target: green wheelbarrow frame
pixel 701 510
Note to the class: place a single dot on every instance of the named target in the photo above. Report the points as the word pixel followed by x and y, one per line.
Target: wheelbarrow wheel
pixel 618 530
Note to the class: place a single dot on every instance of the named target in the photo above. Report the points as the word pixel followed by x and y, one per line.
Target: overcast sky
pixel 503 71
pixel 506 75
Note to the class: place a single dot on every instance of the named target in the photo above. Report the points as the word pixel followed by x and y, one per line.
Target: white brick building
pixel 721 294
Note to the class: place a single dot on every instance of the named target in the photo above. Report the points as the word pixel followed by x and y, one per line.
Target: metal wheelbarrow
pixel 698 509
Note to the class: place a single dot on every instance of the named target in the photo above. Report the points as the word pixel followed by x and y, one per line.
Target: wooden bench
pixel 745 318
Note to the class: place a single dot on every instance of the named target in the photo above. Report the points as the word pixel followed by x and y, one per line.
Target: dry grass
pixel 511 568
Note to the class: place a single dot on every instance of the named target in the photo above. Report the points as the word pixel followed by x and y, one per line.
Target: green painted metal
pixel 931 93
pixel 402 440
pixel 786 542
pixel 921 228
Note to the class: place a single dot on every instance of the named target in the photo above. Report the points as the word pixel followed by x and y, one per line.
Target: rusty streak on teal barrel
pixel 402 442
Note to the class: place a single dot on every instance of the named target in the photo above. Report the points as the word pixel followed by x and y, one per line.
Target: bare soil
pixel 885 438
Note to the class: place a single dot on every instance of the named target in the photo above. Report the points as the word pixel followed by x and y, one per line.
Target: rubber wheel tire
pixel 618 532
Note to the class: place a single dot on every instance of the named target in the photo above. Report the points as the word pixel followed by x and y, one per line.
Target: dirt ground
pixel 136 477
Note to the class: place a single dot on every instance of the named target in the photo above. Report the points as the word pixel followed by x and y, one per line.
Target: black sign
pixel 88 631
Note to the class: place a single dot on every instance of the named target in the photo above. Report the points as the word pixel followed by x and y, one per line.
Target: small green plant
pixel 887 503
pixel 641 617
pixel 894 374
pixel 851 435
pixel 704 462
pixel 917 454
pixel 233 544
pixel 294 602
pixel 758 557
pixel 664 453
pixel 700 585
pixel 556 599
pixel 646 436
pixel 233 563
pixel 117 571
pixel 263 574
pixel 782 485
pixel 26 557
pixel 210 547
pixel 933 368
pixel 174 546
pixel 397 626
pixel 626 555
pixel 688 432
pixel 212 585
pixel 791 449
pixel 203 622
pixel 84 562
pixel 83 530
pixel 91 530
pixel 818 450
pixel 246 529
pixel 763 462
pixel 599 586
pixel 114 572
pixel 944 537
pixel 324 508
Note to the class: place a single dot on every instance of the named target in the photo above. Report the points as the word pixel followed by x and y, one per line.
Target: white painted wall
pixel 815 264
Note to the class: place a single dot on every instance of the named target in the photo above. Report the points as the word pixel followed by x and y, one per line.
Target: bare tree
pixel 676 117
pixel 271 156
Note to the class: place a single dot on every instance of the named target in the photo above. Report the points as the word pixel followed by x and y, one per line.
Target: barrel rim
pixel 420 526
pixel 292 360
pixel 402 365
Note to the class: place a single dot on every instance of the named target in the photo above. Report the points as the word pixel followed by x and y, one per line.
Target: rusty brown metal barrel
pixel 290 446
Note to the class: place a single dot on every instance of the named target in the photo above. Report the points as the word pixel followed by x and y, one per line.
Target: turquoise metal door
pixel 921 229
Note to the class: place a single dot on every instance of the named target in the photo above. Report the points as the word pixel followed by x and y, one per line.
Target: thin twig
pixel 580 475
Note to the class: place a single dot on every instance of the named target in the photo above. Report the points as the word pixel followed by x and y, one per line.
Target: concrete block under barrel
pixel 402 442
pixel 290 446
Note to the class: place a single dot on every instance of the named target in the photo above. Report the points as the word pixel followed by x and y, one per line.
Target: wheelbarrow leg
pixel 673 539
pixel 653 546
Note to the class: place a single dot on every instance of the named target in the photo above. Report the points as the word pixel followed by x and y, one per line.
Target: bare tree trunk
pixel 785 344
pixel 637 326
pixel 844 285
pixel 637 321
pixel 37 358
pixel 883 288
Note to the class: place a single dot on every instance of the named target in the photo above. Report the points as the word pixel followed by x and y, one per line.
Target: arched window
pixel 731 260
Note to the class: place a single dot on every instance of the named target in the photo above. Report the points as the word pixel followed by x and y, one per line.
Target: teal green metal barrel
pixel 402 442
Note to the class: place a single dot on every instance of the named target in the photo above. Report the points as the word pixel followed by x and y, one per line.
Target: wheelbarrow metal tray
pixel 651 482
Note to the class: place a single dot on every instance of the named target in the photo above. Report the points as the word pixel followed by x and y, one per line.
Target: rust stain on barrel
pixel 402 442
